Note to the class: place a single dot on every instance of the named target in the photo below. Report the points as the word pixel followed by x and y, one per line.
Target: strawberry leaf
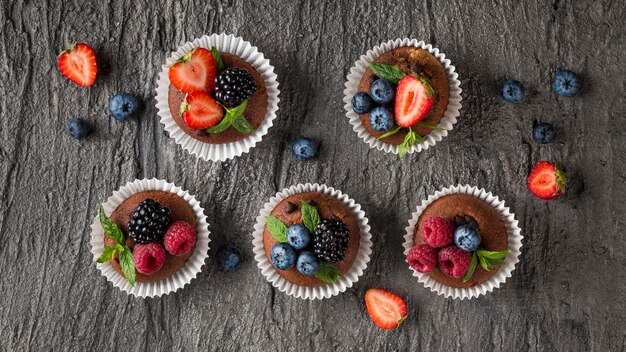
pixel 387 72
pixel 111 230
pixel 390 133
pixel 328 273
pixel 310 216
pixel 277 229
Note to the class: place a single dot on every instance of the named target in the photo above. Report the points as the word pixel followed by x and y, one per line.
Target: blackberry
pixel 149 222
pixel 331 240
pixel 234 85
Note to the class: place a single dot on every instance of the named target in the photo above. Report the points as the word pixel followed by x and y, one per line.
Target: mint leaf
pixel 328 273
pixel 219 63
pixel 409 140
pixel 310 216
pixel 128 264
pixel 242 125
pixel 111 229
pixel 387 72
pixel 431 126
pixel 484 262
pixel 229 118
pixel 472 267
pixel 390 133
pixel 109 253
pixel 277 229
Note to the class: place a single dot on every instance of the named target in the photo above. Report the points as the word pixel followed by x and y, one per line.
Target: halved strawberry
pixel 193 72
pixel 79 64
pixel 386 309
pixel 200 111
pixel 414 97
pixel 546 181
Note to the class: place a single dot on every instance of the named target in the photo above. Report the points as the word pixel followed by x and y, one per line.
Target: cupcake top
pixel 156 229
pixel 216 97
pixel 311 239
pixel 460 241
pixel 402 96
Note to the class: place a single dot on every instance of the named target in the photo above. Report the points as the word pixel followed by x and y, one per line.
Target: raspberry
pixel 454 262
pixel 179 238
pixel 438 232
pixel 422 258
pixel 148 258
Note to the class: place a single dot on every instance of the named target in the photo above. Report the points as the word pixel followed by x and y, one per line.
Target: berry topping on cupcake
pixel 194 72
pixel 148 258
pixel 546 180
pixel 180 238
pixel 438 232
pixel 149 222
pixel 234 85
pixel 422 258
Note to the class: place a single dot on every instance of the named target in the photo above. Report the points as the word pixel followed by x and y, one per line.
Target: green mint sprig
pixel 487 259
pixel 233 117
pixel 409 140
pixel 328 273
pixel 311 218
pixel 219 62
pixel 387 72
pixel 125 254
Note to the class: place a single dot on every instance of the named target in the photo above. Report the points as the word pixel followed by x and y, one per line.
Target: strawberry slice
pixel 193 72
pixel 546 181
pixel 200 111
pixel 79 64
pixel 386 309
pixel 414 97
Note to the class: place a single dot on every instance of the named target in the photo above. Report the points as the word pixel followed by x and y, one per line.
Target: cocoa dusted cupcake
pixel 400 94
pixel 311 239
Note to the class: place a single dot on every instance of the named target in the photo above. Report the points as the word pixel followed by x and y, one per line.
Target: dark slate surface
pixel 567 292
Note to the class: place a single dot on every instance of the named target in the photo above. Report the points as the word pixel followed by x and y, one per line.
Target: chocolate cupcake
pixel 217 96
pixel 402 96
pixel 150 238
pixel 311 241
pixel 462 242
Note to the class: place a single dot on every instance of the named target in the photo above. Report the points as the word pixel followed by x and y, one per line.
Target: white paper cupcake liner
pixel 171 283
pixel 352 87
pixel 325 291
pixel 512 228
pixel 237 46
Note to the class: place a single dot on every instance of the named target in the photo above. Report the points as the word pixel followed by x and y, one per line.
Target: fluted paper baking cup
pixel 319 292
pixel 352 87
pixel 236 46
pixel 172 283
pixel 512 229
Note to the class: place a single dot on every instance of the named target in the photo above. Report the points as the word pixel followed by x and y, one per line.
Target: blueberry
pixel 382 91
pixel 77 128
pixel 381 119
pixel 362 103
pixel 544 133
pixel 566 83
pixel 308 264
pixel 305 148
pixel 298 236
pixel 228 256
pixel 512 91
pixel 466 238
pixel 283 256
pixel 123 106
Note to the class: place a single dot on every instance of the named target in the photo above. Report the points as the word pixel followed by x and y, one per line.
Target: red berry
pixel 454 262
pixel 414 98
pixel 149 258
pixel 422 258
pixel 179 238
pixel 200 111
pixel 194 72
pixel 79 64
pixel 386 309
pixel 438 232
pixel 546 181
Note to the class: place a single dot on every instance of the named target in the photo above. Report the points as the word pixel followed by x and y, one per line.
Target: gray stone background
pixel 566 294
